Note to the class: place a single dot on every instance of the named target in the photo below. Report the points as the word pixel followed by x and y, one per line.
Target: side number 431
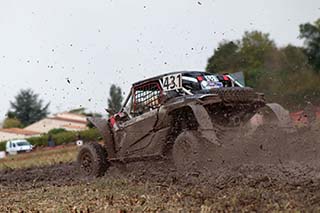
pixel 171 82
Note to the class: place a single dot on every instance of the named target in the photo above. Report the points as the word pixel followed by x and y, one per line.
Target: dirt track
pixel 291 159
pixel 283 166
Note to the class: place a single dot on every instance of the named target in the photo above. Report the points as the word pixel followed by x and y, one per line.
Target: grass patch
pixel 40 157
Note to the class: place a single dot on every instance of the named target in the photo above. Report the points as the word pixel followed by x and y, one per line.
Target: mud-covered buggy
pixel 171 116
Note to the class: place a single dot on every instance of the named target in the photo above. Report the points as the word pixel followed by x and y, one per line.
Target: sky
pixel 70 52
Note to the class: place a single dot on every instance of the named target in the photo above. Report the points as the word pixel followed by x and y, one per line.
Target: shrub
pixel 12 123
pixel 2 146
pixel 90 135
pixel 62 137
pixel 56 131
pixel 38 141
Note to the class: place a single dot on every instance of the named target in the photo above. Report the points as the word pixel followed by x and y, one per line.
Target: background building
pixel 66 120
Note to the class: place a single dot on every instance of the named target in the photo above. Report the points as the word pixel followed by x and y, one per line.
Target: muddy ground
pixel 281 172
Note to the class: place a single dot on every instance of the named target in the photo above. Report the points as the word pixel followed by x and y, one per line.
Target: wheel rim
pixel 86 163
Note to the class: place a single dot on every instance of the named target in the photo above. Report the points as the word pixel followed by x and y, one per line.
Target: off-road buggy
pixel 170 116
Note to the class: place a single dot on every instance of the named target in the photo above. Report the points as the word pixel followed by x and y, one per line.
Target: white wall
pixel 45 125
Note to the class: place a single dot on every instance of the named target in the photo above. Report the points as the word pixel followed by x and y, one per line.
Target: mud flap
pixel 284 120
pixel 273 115
pixel 102 125
pixel 206 128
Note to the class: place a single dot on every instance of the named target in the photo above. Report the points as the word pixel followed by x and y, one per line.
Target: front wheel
pixel 186 152
pixel 92 159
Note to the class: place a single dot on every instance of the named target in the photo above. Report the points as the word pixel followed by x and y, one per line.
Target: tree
pixel 28 108
pixel 282 74
pixel 11 123
pixel 294 59
pixel 255 46
pixel 225 58
pixel 311 34
pixel 250 54
pixel 116 98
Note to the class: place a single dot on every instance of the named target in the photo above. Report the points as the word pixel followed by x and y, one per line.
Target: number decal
pixel 171 82
pixel 165 82
pixel 179 80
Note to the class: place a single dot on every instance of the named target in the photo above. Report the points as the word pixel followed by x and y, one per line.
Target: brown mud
pixel 289 163
pixel 55 175
pixel 290 158
pixel 268 147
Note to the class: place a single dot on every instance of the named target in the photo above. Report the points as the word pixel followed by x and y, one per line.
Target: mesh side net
pixel 148 95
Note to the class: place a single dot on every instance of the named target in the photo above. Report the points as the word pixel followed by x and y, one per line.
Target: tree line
pixel 289 75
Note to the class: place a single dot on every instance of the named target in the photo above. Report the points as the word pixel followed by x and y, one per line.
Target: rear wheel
pixel 186 151
pixel 92 159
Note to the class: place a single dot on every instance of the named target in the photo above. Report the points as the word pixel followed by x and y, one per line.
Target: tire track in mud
pixel 54 175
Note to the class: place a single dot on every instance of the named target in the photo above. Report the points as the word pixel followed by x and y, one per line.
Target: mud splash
pixel 268 146
pixel 289 159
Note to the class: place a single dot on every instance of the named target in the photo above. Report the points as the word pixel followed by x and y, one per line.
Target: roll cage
pixel 150 94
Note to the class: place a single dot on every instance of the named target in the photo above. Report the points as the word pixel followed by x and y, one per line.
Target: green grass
pixel 41 157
